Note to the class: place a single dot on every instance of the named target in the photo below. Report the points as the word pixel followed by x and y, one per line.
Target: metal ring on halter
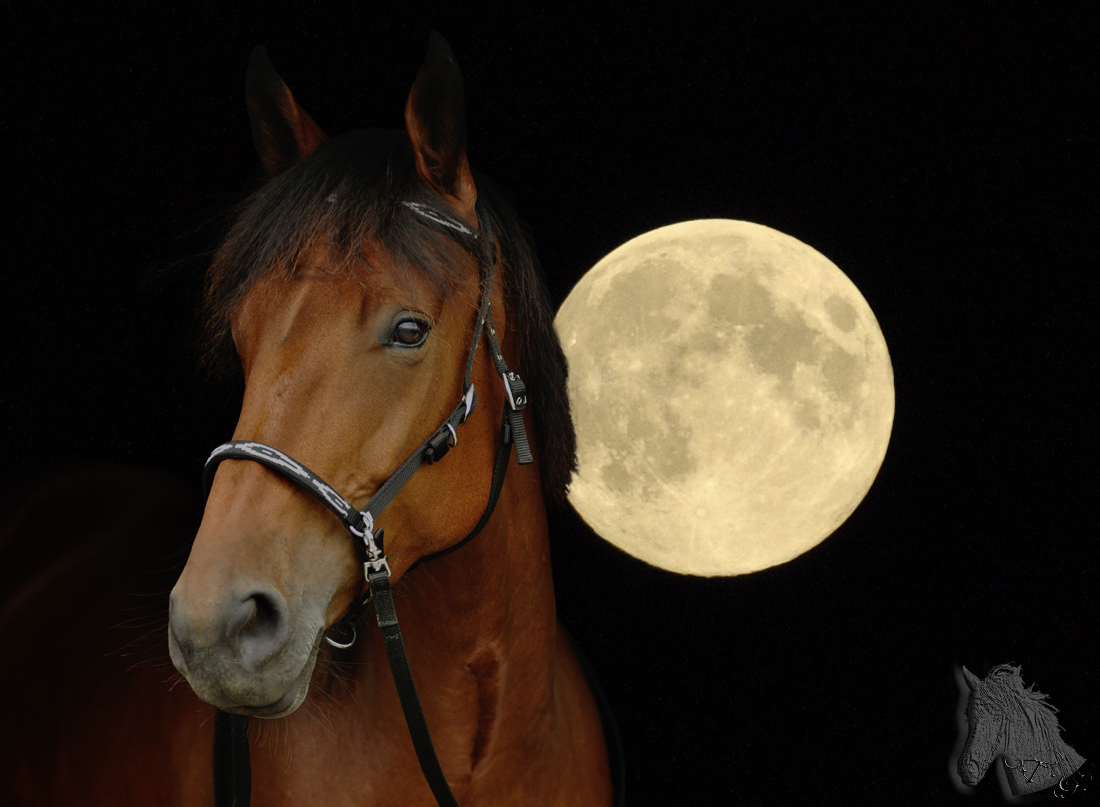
pixel 368 528
pixel 454 434
pixel 354 636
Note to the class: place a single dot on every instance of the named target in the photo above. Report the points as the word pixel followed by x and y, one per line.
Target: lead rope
pixel 232 767
pixel 232 773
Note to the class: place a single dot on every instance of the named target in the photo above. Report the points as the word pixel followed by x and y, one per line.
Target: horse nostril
pixel 258 626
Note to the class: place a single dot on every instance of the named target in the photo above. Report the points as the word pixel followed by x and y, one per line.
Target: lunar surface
pixel 732 394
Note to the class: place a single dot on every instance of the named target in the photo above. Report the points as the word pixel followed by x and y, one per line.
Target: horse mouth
pixel 285 704
pixel 294 696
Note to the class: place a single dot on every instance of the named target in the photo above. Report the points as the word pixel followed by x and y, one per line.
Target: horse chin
pixel 287 703
pixel 294 696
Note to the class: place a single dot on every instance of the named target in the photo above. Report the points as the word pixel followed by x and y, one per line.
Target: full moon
pixel 732 396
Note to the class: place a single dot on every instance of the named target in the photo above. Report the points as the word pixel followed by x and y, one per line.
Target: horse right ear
pixel 435 118
pixel 282 131
pixel 972 680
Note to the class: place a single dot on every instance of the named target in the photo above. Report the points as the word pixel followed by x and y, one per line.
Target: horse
pixel 354 287
pixel 1018 725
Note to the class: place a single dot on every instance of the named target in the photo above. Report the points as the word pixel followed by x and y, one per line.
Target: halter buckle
pixel 382 564
pixel 515 389
pixel 440 443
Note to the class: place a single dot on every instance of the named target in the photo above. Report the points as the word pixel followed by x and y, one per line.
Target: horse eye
pixel 409 333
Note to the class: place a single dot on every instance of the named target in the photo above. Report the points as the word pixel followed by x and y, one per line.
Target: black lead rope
pixel 232 767
pixel 382 595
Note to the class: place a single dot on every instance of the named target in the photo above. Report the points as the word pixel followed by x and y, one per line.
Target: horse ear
pixel 435 118
pixel 972 680
pixel 282 131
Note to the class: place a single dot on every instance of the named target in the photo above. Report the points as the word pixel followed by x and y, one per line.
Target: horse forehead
pixel 277 302
pixel 979 707
pixel 317 296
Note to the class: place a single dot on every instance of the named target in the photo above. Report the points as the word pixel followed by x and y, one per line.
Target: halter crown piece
pixel 232 778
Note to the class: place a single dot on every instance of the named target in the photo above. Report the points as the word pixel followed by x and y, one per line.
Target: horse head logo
pixel 1006 720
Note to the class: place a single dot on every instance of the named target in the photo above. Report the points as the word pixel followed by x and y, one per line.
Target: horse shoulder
pixel 94 714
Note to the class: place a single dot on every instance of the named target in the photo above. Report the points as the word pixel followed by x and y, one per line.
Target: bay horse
pixel 351 305
pixel 1018 725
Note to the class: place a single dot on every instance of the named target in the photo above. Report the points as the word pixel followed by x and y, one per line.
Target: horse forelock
pixel 349 194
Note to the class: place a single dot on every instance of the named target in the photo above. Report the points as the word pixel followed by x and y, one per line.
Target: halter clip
pixel 367 533
pixel 376 561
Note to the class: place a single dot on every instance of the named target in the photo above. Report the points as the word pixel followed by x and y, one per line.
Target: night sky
pixel 944 161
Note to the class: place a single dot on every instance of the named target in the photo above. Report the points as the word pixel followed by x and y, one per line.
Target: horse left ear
pixel 435 118
pixel 971 679
pixel 282 131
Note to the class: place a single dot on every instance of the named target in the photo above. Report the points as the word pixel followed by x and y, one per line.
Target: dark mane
pixel 1004 687
pixel 351 191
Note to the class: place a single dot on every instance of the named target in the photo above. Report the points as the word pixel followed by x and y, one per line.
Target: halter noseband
pixel 232 783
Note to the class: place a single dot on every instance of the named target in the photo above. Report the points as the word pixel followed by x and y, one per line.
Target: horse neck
pixel 495 589
pixel 1036 760
pixel 480 616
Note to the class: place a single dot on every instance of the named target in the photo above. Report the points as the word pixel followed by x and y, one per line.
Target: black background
pixel 944 160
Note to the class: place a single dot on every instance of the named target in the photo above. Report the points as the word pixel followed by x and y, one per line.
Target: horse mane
pixel 351 191
pixel 1004 688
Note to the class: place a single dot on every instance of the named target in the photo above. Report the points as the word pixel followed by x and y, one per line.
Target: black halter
pixel 232 777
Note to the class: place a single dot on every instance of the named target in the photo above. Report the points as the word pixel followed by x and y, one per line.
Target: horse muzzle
pixel 970 772
pixel 243 654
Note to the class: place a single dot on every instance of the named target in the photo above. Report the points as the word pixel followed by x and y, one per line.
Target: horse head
pixel 1018 724
pixel 352 322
